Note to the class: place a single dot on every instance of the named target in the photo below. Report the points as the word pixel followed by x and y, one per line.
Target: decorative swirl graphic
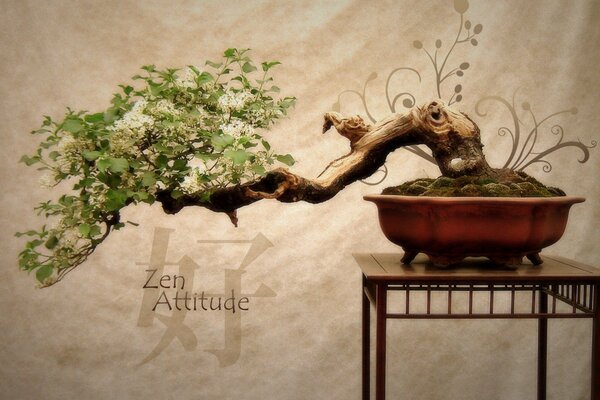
pixel 410 100
pixel 524 152
pixel 462 36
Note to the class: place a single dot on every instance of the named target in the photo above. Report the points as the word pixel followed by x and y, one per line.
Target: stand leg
pixel 542 345
pixel 596 345
pixel 366 343
pixel 381 309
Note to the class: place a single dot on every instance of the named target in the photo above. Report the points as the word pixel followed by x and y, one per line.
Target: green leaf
pixel 91 155
pixel 204 77
pixel 180 164
pixel 118 164
pixel 176 194
pixel 27 233
pixel 248 67
pixel 237 156
pixel 94 117
pixel 84 229
pixel 29 160
pixel 261 81
pixel 195 69
pixel 287 102
pixel 66 201
pixel 103 164
pixel 43 273
pixel 47 121
pixel 286 159
pixel 162 148
pixel 229 52
pixel 83 183
pixel 72 125
pixel 150 199
pixel 33 244
pixel 110 115
pixel 268 65
pixel 140 196
pixel 155 90
pixel 222 141
pixel 214 64
pixel 161 161
pixel 95 230
pixel 115 199
pixel 259 169
pixel 149 68
pixel 148 179
pixel 51 242
pixel 112 180
pixel 266 145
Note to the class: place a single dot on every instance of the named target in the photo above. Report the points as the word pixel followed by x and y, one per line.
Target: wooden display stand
pixel 559 288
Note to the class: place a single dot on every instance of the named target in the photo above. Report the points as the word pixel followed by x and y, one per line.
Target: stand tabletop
pixel 387 267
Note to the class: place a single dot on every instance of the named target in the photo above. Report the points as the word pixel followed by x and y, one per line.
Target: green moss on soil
pixel 519 185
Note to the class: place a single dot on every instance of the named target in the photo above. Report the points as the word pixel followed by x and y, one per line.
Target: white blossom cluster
pixel 121 144
pixel 176 125
pixel 192 182
pixel 47 181
pixel 262 116
pixel 164 107
pixel 198 119
pixel 188 80
pixel 234 101
pixel 98 200
pixel 69 239
pixel 135 122
pixel 236 128
pixel 70 150
pixel 130 129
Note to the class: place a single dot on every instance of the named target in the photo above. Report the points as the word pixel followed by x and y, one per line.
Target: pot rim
pixel 394 198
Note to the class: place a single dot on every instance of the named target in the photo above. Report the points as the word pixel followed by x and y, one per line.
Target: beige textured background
pixel 79 339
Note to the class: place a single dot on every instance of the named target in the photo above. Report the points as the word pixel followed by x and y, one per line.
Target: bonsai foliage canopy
pixel 192 137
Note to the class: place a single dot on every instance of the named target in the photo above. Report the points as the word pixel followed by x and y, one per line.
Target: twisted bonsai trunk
pixel 452 136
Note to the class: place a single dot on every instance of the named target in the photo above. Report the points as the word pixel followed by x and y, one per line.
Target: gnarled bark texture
pixel 452 136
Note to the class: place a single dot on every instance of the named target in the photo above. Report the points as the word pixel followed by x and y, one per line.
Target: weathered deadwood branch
pixel 453 138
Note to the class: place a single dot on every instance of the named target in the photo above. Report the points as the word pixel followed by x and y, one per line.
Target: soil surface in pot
pixel 513 185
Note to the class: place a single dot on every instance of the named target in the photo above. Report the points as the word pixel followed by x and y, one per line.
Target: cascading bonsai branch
pixel 184 132
pixel 191 138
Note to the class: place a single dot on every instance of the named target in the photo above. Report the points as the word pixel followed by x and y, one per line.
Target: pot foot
pixel 408 256
pixel 535 258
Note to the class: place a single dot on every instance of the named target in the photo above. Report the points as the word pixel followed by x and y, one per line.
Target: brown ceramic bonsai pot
pixel 448 229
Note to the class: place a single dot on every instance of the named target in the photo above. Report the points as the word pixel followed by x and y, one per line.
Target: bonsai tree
pixel 192 137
